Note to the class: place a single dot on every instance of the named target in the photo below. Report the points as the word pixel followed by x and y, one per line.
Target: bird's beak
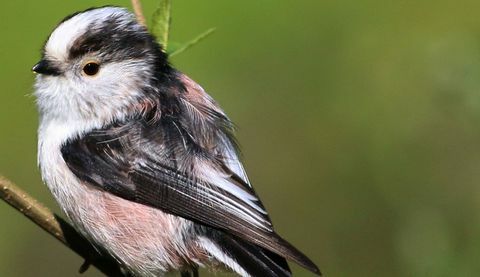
pixel 45 67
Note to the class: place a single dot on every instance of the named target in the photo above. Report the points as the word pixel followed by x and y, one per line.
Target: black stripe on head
pixel 117 38
pixel 70 16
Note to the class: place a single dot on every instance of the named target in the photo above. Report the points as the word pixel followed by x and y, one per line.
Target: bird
pixel 142 161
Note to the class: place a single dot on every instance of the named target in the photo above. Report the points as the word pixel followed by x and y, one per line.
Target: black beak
pixel 46 68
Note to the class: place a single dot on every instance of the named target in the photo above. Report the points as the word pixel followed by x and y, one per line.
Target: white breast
pixel 146 240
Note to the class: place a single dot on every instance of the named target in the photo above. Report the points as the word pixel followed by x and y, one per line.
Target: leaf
pixel 172 51
pixel 161 22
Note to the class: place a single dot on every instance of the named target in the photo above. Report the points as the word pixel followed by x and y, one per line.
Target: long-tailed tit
pixel 142 160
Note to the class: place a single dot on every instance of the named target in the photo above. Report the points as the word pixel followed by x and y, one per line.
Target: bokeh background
pixel 359 122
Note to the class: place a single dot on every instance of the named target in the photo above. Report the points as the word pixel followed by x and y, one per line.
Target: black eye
pixel 91 68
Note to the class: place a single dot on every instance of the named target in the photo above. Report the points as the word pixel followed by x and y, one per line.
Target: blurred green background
pixel 359 122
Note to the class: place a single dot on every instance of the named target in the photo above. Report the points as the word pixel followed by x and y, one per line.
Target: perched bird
pixel 141 160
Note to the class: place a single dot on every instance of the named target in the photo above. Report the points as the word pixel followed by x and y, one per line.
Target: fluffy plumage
pixel 142 160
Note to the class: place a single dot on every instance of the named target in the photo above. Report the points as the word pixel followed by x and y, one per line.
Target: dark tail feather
pixel 285 249
pixel 255 260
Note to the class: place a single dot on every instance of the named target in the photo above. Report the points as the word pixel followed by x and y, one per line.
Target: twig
pixel 137 9
pixel 57 227
pixel 192 42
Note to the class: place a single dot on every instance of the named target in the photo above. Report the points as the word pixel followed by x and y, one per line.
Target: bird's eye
pixel 91 68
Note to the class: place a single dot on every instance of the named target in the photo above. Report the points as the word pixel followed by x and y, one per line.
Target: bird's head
pixel 95 65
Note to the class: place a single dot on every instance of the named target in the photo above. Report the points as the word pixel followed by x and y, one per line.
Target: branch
pixel 137 9
pixel 57 227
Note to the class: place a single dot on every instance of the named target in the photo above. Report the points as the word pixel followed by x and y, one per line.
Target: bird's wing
pixel 168 165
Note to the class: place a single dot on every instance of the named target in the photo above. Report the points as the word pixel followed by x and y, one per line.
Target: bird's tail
pixel 245 258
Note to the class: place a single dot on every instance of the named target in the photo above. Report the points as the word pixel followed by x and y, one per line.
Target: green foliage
pixel 160 27
pixel 161 22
